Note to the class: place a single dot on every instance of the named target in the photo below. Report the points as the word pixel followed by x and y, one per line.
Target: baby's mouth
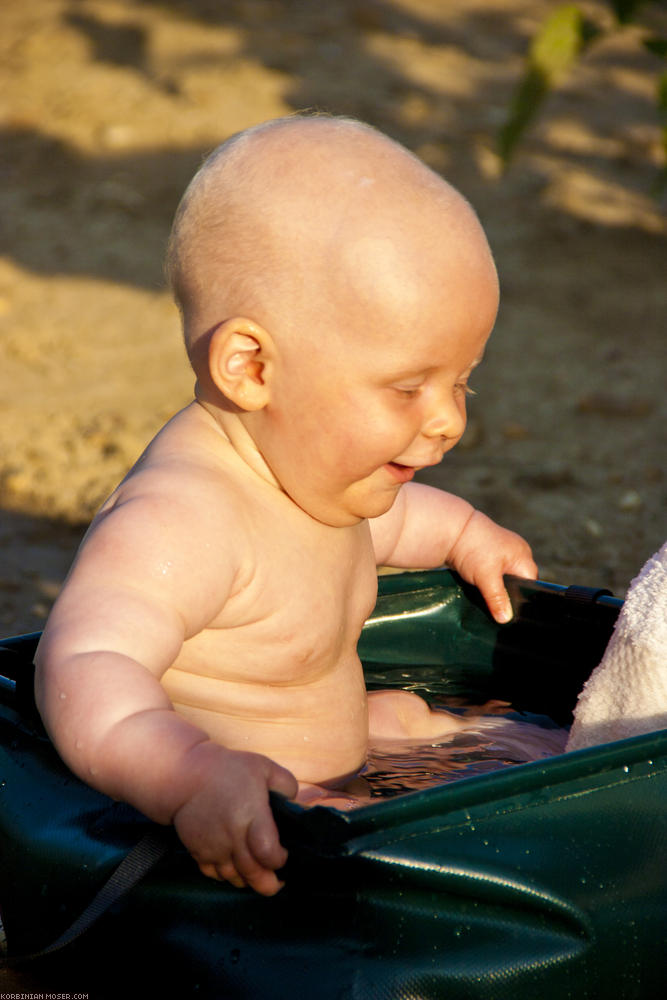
pixel 403 473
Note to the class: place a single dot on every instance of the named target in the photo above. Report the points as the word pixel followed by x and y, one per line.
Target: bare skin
pixel 203 649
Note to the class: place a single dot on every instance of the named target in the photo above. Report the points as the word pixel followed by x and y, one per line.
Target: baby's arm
pixel 427 527
pixel 138 588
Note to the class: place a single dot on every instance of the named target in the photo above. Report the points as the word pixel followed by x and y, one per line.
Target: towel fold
pixel 627 693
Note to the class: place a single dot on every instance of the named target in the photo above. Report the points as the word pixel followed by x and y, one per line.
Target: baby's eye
pixel 408 390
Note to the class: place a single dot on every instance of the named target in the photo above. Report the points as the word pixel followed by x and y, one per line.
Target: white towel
pixel 627 693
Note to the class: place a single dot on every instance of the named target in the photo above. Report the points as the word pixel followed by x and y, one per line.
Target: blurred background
pixel 106 110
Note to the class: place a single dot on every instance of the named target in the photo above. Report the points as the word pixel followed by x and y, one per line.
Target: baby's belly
pixel 317 729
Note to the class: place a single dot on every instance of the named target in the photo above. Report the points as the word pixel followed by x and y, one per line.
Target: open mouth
pixel 403 473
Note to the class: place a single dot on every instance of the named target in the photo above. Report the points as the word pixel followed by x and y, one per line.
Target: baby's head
pixel 309 252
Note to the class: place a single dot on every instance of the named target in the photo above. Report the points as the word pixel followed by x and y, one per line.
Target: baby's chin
pixel 348 511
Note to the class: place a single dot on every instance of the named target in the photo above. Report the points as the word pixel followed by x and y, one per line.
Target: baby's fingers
pixel 256 854
pixel 260 877
pixel 498 602
pixel 223 873
pixel 264 843
pixel 282 781
pixel 492 587
pixel 243 871
pixel 524 566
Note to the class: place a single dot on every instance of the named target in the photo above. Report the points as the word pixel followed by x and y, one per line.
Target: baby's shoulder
pixel 188 461
pixel 173 509
pixel 181 481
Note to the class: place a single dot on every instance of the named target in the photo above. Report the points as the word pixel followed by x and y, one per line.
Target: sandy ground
pixel 106 108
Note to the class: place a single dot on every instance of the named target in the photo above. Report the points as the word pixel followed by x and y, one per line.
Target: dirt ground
pixel 106 109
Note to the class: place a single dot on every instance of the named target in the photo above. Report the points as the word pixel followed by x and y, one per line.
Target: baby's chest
pixel 305 601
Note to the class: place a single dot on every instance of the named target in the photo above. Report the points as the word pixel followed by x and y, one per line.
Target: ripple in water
pixel 492 742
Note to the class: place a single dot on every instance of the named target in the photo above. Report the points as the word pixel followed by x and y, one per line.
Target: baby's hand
pixel 483 552
pixel 226 822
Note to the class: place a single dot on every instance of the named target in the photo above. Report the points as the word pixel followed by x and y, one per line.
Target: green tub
pixel 542 880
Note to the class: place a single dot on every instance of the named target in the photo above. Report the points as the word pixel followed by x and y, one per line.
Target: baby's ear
pixel 239 358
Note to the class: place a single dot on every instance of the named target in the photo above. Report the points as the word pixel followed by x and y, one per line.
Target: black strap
pixel 141 859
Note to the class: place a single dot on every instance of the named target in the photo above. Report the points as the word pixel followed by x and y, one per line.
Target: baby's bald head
pixel 303 216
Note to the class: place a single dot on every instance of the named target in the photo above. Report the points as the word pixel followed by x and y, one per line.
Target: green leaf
pixel 527 99
pixel 558 43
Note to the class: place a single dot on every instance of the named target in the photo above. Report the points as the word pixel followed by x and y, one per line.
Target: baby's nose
pixel 446 420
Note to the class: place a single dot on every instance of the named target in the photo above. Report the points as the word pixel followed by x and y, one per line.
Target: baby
pixel 336 295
